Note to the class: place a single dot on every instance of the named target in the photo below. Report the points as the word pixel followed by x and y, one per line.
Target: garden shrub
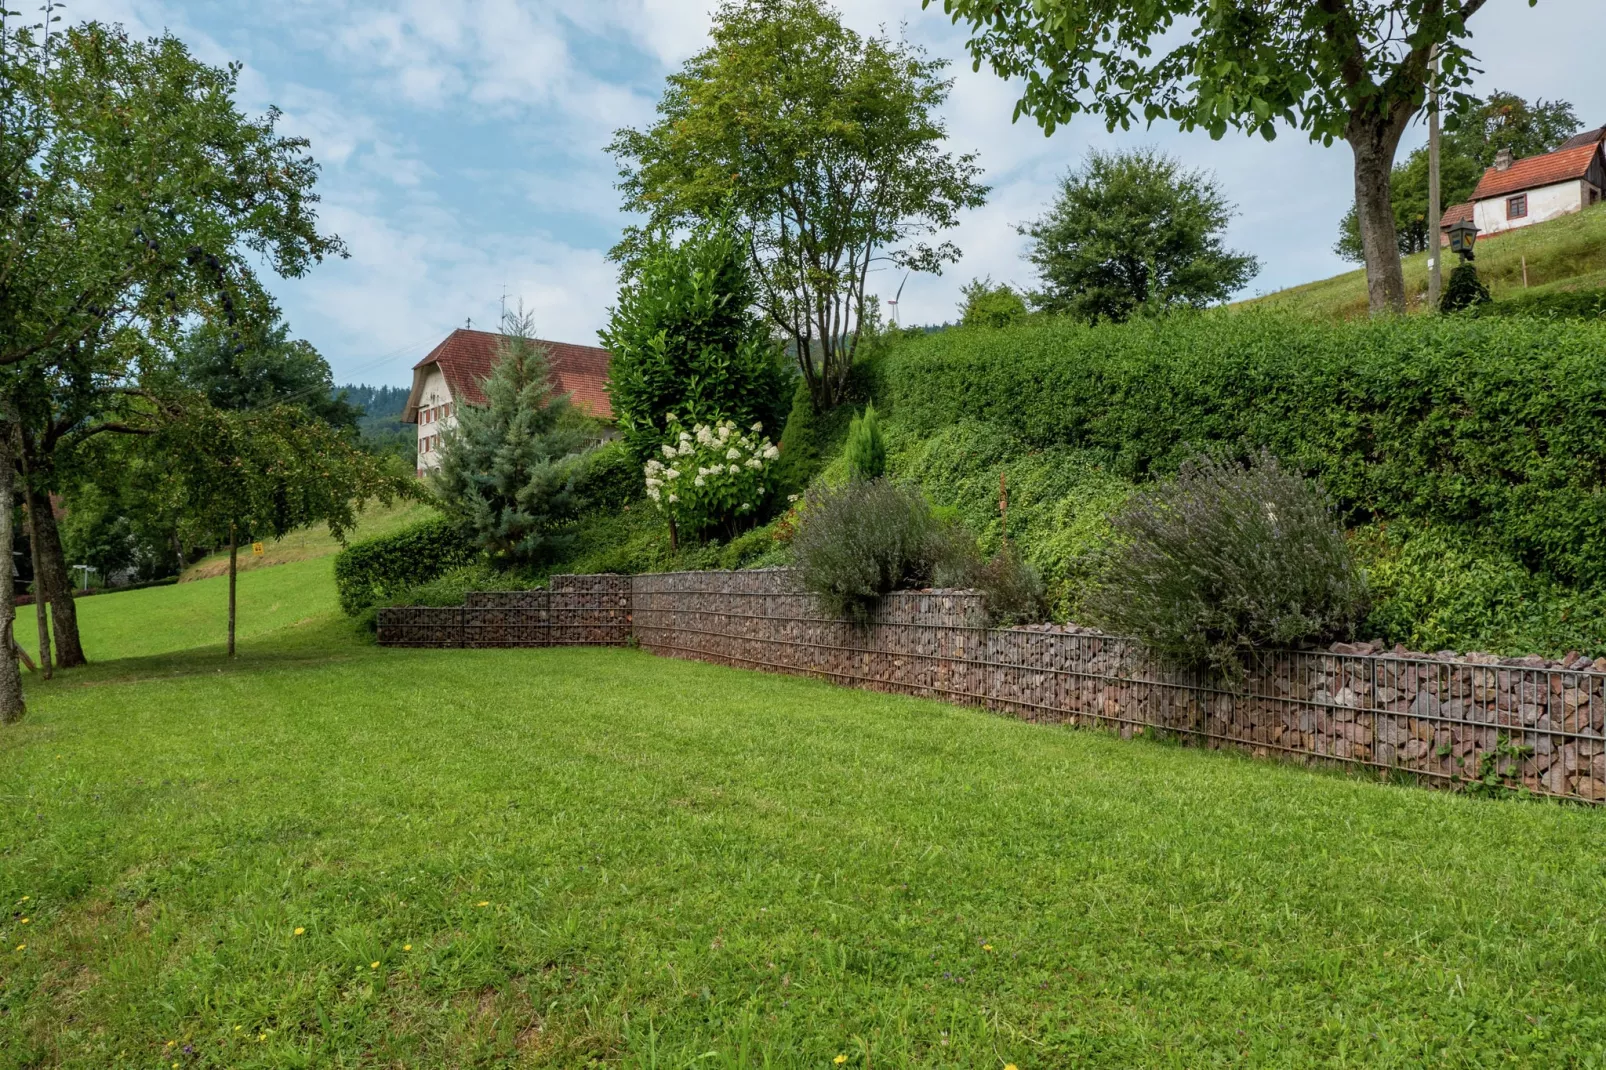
pixel 1482 425
pixel 370 572
pixel 1464 290
pixel 685 342
pixel 1226 558
pixel 1014 588
pixel 866 452
pixel 857 541
pixel 711 478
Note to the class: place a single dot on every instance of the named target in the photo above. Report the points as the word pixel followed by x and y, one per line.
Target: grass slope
pixel 315 541
pixel 327 854
pixel 1562 254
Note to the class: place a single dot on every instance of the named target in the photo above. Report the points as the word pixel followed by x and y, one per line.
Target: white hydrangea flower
pixel 699 481
pixel 754 462
pixel 725 431
pixel 793 497
pixel 733 454
pixel 673 498
pixel 654 466
pixel 686 449
pixel 770 453
pixel 704 436
pixel 654 493
pixel 756 426
pixel 651 482
pixel 685 436
pixel 672 473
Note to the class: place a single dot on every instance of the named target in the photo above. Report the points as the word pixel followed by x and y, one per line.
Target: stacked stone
pixel 591 610
pixel 507 619
pixel 420 626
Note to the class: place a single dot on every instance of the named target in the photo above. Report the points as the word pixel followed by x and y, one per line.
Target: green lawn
pixel 329 854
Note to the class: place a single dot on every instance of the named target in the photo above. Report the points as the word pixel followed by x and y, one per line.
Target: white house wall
pixel 434 394
pixel 1544 203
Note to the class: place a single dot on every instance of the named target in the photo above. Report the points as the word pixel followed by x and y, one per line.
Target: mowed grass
pixel 328 854
pixel 1568 253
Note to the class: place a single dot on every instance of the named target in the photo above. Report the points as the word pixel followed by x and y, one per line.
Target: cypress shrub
pixel 866 453
pixel 1483 425
pixel 1464 290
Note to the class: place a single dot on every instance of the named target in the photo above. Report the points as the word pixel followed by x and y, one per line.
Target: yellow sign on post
pixel 257 549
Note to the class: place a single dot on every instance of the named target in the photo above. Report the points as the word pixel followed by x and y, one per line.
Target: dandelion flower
pixel 300 930
pixel 373 965
pixel 25 921
pixel 1010 1066
pixel 484 902
pixel 25 898
pixel 407 947
pixel 21 947
pixel 840 1059
pixel 987 947
pixel 238 1028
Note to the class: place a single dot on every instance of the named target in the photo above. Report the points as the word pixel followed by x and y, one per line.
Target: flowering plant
pixel 710 476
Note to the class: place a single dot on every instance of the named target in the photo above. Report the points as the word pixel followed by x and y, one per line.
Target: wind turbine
pixel 895 300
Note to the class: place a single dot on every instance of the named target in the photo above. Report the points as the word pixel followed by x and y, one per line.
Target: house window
pixel 1517 207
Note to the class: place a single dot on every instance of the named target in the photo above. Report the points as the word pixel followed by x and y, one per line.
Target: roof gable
pixel 1533 172
pixel 466 357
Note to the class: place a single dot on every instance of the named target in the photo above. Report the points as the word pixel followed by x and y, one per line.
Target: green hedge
pixel 367 573
pixel 1560 304
pixel 1491 426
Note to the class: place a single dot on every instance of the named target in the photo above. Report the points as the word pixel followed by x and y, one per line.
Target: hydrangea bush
pixel 711 478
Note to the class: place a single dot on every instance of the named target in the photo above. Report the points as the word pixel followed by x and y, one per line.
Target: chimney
pixel 1502 160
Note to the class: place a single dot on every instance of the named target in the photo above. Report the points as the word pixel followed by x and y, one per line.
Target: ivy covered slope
pixel 1464 454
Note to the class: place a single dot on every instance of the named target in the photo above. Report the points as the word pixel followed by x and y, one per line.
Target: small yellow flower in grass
pixel 840 1059
pixel 373 965
pixel 483 903
pixel 25 921
pixel 407 947
pixel 300 930
pixel 21 947
pixel 987 947
pixel 237 1028
pixel 170 1043
pixel 25 898
pixel 1011 1066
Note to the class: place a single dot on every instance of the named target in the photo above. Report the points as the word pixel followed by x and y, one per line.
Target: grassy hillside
pixel 330 854
pixel 312 542
pixel 1563 254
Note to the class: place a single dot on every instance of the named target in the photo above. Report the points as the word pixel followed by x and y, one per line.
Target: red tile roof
pixel 1588 137
pixel 1455 214
pixel 466 358
pixel 1536 171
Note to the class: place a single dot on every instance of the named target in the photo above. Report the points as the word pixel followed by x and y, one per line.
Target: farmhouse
pixel 1518 193
pixel 452 372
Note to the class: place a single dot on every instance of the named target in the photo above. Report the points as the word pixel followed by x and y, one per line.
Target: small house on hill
pixel 452 372
pixel 1518 193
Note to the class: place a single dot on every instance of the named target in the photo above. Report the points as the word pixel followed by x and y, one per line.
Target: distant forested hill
pixel 380 423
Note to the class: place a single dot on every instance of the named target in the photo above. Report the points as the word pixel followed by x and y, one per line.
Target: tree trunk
pixel 11 703
pixel 1375 142
pixel 58 580
pixel 234 550
pixel 41 590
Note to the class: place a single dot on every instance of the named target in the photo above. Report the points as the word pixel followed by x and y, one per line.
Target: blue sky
pixel 462 146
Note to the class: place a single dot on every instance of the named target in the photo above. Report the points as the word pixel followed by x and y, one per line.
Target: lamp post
pixel 1463 234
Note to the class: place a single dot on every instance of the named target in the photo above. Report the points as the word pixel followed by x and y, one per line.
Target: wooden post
pixel 234 550
pixel 1003 505
pixel 1525 271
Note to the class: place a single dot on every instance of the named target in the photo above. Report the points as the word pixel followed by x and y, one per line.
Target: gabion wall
pixel 1518 721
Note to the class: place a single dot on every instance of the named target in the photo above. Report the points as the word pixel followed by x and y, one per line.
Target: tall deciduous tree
pixel 508 468
pixel 256 474
pixel 685 341
pixel 1131 231
pixel 133 195
pixel 1350 70
pixel 825 146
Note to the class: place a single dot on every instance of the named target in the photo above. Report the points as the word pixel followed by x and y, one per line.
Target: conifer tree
pixel 508 468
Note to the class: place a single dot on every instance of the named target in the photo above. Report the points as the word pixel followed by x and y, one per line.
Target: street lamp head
pixel 1463 233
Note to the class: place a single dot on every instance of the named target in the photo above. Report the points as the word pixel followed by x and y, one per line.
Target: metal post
pixel 1435 209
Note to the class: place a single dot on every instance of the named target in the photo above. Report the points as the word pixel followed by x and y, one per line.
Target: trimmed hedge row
pixel 369 572
pixel 1494 426
pixel 1561 304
